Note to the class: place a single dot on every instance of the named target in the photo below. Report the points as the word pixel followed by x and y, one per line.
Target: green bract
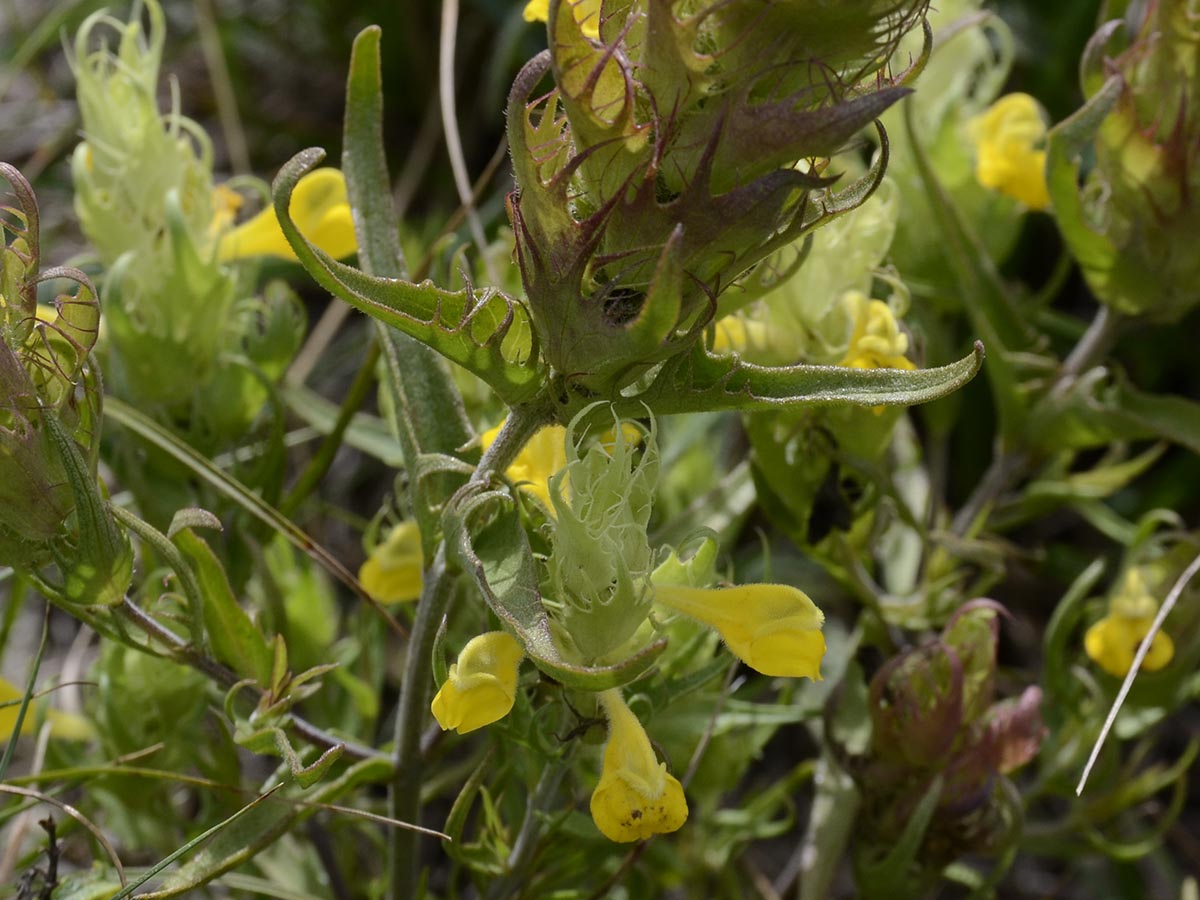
pixel 1132 223
pixel 600 567
pixel 183 337
pixel 51 508
pixel 674 154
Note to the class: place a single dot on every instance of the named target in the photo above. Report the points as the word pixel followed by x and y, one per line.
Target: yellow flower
pixel 1007 136
pixel 877 341
pixel 321 211
pixel 226 203
pixel 587 14
pixel 66 726
pixel 482 685
pixel 635 798
pixel 735 333
pixel 538 460
pixel 1113 641
pixel 393 571
pixel 773 628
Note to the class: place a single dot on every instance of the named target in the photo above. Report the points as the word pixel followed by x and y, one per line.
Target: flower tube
pixel 775 629
pixel 635 798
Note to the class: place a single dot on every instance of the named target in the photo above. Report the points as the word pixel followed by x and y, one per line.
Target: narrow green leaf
pixel 194 842
pixel 438 419
pixel 149 430
pixel 193 517
pixel 253 828
pixel 1100 409
pixel 235 639
pixel 365 163
pixel 985 299
pixel 1058 637
pixel 367 433
pixel 11 747
pixel 1068 139
pixel 699 381
pixel 485 536
pixel 169 553
pixel 886 877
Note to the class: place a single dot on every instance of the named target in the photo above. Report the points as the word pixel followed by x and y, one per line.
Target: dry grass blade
pixel 458 162
pixel 77 816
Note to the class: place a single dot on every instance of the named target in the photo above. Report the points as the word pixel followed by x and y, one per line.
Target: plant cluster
pixel 706 556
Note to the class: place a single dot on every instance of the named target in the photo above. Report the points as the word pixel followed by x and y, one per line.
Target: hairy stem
pixel 523 847
pixel 404 801
pixel 188 654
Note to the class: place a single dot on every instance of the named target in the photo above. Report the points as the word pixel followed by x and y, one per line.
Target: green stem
pixel 187 654
pixel 524 847
pixel 404 800
pixel 174 559
pixel 319 465
pixel 1091 348
pixel 1010 465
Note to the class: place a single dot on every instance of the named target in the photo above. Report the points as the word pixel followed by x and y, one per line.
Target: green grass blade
pixel 149 430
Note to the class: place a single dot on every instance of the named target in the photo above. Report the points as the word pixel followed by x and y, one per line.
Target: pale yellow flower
pixel 773 628
pixel 541 458
pixel 586 12
pixel 635 798
pixel 1113 642
pixel 482 685
pixel 1010 155
pixel 226 203
pixel 736 334
pixel 876 341
pixel 66 726
pixel 321 210
pixel 393 571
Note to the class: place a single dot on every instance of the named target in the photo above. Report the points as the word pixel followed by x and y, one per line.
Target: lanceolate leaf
pixel 496 553
pixel 426 390
pixel 701 381
pixel 487 333
pixel 235 639
pixel 1100 409
pixel 257 826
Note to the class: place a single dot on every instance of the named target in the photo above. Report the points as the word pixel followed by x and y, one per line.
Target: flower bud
pixel 600 566
pixel 179 327
pixel 877 341
pixel 664 165
pixel 917 707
